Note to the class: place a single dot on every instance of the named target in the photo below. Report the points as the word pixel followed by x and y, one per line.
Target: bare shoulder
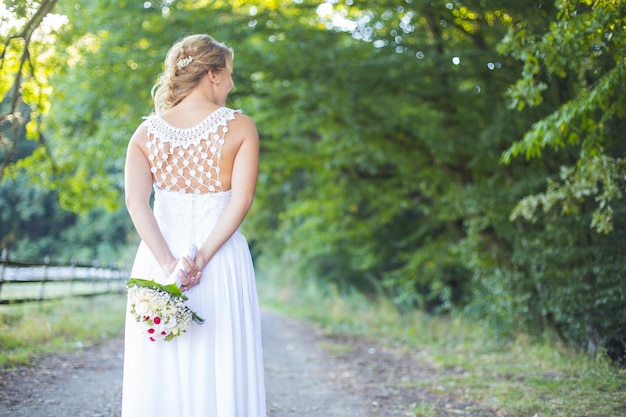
pixel 243 122
pixel 244 126
pixel 140 136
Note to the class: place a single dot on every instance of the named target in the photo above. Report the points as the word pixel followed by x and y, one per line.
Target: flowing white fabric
pixel 215 369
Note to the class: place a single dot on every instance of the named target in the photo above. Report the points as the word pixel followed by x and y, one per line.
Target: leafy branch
pixel 14 118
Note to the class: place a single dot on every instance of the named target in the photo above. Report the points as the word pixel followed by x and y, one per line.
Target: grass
pixel 520 377
pixel 423 410
pixel 31 329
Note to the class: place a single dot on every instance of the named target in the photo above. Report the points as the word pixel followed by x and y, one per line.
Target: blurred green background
pixel 456 157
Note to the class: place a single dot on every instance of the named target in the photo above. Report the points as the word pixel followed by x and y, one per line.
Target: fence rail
pixel 22 282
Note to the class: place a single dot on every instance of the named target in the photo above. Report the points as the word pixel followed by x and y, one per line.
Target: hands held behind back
pixel 188 269
pixel 190 274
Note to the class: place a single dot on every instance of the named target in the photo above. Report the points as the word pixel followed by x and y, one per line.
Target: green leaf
pixel 170 289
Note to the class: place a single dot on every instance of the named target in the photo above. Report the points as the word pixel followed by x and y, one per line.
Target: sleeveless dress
pixel 214 369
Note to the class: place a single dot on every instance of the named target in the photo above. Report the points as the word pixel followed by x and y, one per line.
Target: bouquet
pixel 160 309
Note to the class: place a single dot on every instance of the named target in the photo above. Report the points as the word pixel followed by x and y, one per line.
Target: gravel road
pixel 308 373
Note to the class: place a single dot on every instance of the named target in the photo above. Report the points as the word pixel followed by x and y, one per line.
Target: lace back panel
pixel 187 160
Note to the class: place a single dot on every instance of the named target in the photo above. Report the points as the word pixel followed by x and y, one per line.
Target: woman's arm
pixel 243 185
pixel 138 186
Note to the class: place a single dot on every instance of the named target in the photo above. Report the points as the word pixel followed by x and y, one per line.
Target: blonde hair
pixel 182 74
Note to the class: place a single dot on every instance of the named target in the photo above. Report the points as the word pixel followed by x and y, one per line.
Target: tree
pixel 24 69
pixel 583 48
pixel 383 129
pixel 574 68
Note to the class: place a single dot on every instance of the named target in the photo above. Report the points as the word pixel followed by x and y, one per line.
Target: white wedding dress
pixel 215 369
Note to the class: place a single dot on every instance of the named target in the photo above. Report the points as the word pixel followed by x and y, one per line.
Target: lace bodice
pixel 187 160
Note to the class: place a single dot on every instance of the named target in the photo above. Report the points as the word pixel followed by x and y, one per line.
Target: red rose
pixel 152 339
pixel 157 320
pixel 163 333
pixel 150 330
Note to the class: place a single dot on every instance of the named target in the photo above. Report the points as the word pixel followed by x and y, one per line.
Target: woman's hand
pixel 169 266
pixel 189 274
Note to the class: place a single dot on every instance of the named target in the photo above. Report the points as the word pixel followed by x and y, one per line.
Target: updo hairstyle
pixel 177 81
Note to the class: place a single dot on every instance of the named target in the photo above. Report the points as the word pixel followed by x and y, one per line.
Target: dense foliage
pixel 454 155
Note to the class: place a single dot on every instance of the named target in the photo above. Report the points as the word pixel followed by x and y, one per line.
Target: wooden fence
pixel 22 282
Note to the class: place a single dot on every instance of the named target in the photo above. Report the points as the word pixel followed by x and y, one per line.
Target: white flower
pixel 160 311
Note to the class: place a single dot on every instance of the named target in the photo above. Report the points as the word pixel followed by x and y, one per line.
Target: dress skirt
pixel 214 369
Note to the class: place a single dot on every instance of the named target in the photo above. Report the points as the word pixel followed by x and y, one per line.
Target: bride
pixel 201 160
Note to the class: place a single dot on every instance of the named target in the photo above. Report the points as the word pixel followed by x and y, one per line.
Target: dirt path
pixel 307 374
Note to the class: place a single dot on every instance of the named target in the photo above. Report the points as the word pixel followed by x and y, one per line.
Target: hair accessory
pixel 183 62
